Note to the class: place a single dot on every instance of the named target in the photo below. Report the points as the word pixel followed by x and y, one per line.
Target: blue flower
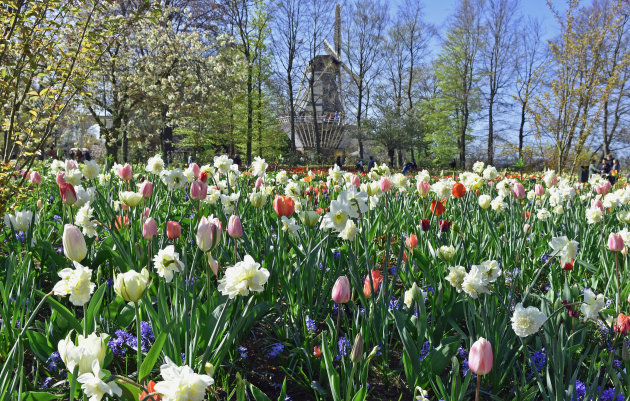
pixel 52 361
pixel 336 254
pixel 243 351
pixel 310 325
pixel 47 383
pixel 276 349
pixel 539 360
pixel 426 348
pixel 344 347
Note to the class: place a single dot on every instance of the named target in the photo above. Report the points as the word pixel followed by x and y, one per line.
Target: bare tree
pixel 364 36
pixel 528 63
pixel 498 58
pixel 286 28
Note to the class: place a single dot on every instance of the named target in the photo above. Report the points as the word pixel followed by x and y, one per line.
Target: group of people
pixel 370 166
pixel 608 168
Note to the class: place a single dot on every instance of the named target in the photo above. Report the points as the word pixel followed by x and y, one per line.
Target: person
pixel 614 171
pixel 453 163
pixel 338 161
pixel 407 168
pixel 371 164
pixel 190 159
pixel 237 159
pixel 359 166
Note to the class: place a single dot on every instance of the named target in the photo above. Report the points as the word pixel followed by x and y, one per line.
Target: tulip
pixel 615 242
pixel 425 224
pixel 445 225
pixel 376 282
pixel 259 182
pixel 604 188
pixel 131 285
pixel 411 241
pixel 146 189
pixel 60 178
pixel 151 388
pixel 357 349
pixel 437 208
pixel 203 177
pixel 539 190
pixel 198 190
pixel 341 290
pixel 459 190
pixel 355 180
pixel 214 265
pixel 518 190
pixel 480 357
pixel 71 164
pixel 597 203
pixel 149 228
pixel 526 228
pixel 622 325
pixel 317 351
pixel 309 218
pixel 36 178
pixel 73 243
pixel 386 184
pixel 124 172
pixel 173 230
pixel 208 233
pixel 40 203
pixel 423 188
pixel 235 228
pixel 283 206
pixel 195 168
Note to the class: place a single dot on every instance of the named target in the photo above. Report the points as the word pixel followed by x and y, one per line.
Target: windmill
pixel 329 116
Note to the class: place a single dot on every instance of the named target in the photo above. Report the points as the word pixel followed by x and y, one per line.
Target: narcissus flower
pixel 93 385
pixel 88 349
pixel 243 277
pixel 592 305
pixel 527 321
pixel 181 383
pixel 76 283
pixel 167 262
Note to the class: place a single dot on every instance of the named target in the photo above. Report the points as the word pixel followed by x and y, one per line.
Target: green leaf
pixel 257 394
pixel 94 308
pixel 39 396
pixel 153 354
pixel 360 396
pixel 333 376
pixel 64 312
pixel 39 345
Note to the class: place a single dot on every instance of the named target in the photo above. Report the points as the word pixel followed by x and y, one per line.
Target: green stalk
pixel 138 345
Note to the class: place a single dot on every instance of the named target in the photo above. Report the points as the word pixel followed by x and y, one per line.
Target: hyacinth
pixel 243 277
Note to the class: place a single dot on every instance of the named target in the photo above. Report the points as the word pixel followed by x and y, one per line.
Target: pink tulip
pixel 597 203
pixel 423 188
pixel 214 265
pixel 36 178
pixel 355 180
pixel 71 165
pixel 173 230
pixel 386 184
pixel 518 190
pixel 61 178
pixel 74 246
pixel 146 189
pixel 124 172
pixel 149 229
pixel 68 194
pixel 145 213
pixel 198 190
pixel 195 168
pixel 480 357
pixel 604 188
pixel 539 190
pixel 341 290
pixel 259 182
pixel 235 228
pixel 208 233
pixel 615 242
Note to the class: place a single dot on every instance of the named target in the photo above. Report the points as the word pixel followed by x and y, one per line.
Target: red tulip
pixel 411 241
pixel 283 205
pixel 445 225
pixel 203 177
pixel 480 357
pixel 622 325
pixel 438 208
pixel 68 194
pixel 341 290
pixel 425 224
pixel 376 282
pixel 459 190
pixel 173 230
pixel 151 388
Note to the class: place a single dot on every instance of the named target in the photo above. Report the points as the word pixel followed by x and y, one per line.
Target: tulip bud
pixel 283 206
pixel 198 190
pixel 374 283
pixel 73 243
pixel 208 233
pixel 423 188
pixel 480 357
pixel 203 177
pixel 60 178
pixel 425 224
pixel 539 190
pixel 259 182
pixel 146 189
pixel 36 178
pixel 357 349
pixel 214 265
pixel 484 201
pixel 173 230
pixel 615 242
pixel 518 190
pixel 235 228
pixel 195 168
pixel 341 290
pixel 411 241
pixel 40 203
pixel 68 194
pixel 131 285
pixel 309 218
pixel 386 184
pixel 125 172
pixel 355 180
pixel 209 369
pixel 149 228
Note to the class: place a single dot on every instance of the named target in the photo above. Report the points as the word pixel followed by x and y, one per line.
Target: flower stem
pixel 478 384
pixel 138 336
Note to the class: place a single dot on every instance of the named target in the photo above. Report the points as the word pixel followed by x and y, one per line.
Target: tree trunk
pixel 490 132
pixel 291 110
pixel 359 133
pixel 462 144
pixel 606 141
pixel 521 130
pixel 259 115
pixel 250 112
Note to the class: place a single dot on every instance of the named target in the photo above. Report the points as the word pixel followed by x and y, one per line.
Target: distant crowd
pixel 609 168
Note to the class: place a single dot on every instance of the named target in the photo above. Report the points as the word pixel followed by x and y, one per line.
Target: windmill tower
pixel 325 91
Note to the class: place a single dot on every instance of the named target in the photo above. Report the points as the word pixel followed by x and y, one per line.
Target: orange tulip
pixel 317 351
pixel 376 282
pixel 411 241
pixel 459 190
pixel 151 388
pixel 438 208
pixel 283 205
pixel 623 324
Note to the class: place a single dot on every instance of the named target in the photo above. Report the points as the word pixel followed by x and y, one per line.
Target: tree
pixel 528 72
pixel 498 58
pixel 457 70
pixel 287 24
pixel 364 38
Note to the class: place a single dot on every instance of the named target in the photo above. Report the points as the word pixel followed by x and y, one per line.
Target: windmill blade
pixel 349 71
pixel 331 52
